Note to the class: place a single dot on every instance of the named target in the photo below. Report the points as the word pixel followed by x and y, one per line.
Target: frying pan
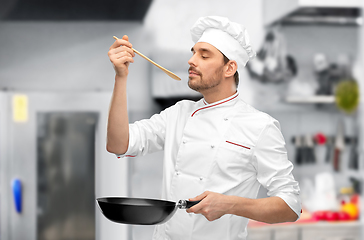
pixel 140 211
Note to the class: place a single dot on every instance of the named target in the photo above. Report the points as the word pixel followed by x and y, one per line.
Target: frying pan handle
pixel 184 204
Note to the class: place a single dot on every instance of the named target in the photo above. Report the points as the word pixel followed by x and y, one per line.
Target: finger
pixel 120 54
pixel 120 51
pixel 122 60
pixel 122 48
pixel 121 42
pixel 196 208
pixel 199 197
pixel 125 37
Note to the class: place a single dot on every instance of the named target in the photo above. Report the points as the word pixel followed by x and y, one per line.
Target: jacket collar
pixel 224 102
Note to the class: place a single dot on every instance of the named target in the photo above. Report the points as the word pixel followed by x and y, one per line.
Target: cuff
pixel 293 201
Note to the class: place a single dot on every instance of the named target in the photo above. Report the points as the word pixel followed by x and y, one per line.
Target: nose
pixel 191 62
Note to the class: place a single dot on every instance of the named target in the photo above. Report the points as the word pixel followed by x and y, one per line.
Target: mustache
pixel 194 70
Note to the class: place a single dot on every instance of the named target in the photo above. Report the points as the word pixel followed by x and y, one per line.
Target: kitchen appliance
pixel 53 162
pixel 140 211
pixel 340 12
pixel 273 64
pixel 339 146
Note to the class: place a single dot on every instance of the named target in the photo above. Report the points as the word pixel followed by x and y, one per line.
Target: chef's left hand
pixel 213 205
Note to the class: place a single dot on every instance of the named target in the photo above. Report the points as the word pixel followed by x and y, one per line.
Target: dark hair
pixel 236 75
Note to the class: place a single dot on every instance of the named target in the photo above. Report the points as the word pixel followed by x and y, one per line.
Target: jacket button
pixel 226 119
pixel 201 178
pixel 212 146
pixel 177 173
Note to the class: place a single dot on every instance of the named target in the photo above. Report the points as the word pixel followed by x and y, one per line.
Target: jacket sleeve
pixel 274 170
pixel 147 135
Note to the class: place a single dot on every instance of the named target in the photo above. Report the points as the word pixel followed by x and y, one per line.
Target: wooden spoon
pixel 169 73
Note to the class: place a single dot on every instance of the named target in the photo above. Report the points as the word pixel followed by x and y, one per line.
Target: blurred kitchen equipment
pixel 354 141
pixel 298 145
pixel 339 145
pixel 329 149
pixel 325 192
pixel 140 211
pixel 328 74
pixel 310 152
pixel 323 72
pixel 65 133
pixel 332 12
pixel 357 185
pixel 305 149
pixel 354 155
pixel 169 73
pixel 272 63
pixel 320 141
pixel 307 194
pixel 320 138
pixel 319 194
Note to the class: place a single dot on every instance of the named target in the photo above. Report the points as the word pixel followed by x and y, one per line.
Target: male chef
pixel 218 150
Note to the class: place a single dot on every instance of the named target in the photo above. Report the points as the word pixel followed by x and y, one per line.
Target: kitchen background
pixel 56 82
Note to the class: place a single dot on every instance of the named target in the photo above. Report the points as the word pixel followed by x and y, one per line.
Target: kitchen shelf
pixel 311 99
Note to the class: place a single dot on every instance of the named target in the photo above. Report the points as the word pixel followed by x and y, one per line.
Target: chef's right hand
pixel 121 55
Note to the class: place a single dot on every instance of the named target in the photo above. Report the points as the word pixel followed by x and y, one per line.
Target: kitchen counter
pixel 305 230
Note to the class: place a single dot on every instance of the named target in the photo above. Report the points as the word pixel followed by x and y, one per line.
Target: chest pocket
pixel 234 158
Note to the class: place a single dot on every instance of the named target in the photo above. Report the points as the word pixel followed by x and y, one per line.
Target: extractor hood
pixel 312 11
pixel 73 10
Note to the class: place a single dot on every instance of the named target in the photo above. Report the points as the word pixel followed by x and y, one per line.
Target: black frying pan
pixel 140 211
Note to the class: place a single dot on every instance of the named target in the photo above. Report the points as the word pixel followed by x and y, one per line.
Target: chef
pixel 219 150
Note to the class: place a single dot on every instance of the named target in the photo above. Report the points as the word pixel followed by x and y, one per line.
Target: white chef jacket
pixel 226 147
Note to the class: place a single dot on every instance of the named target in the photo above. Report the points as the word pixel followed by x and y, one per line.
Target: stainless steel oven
pixel 54 163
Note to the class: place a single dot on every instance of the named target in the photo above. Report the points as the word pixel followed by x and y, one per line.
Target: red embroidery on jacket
pixel 238 145
pixel 128 156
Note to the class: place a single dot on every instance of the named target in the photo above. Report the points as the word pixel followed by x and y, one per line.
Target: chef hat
pixel 228 37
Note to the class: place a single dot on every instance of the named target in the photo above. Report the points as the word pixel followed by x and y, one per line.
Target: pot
pixel 140 211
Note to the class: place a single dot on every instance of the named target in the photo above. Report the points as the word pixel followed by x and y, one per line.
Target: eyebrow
pixel 201 49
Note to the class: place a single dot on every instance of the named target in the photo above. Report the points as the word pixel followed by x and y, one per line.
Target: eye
pixel 203 56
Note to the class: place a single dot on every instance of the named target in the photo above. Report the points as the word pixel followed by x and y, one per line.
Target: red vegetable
pixel 343 216
pixel 332 216
pixel 319 215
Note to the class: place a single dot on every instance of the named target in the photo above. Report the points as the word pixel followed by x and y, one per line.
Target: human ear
pixel 231 68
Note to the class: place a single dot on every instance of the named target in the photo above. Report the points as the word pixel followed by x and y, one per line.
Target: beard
pixel 203 84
